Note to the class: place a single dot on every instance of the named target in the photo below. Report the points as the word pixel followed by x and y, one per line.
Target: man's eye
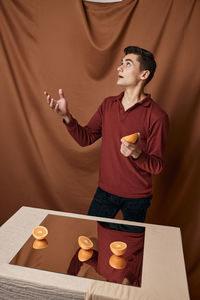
pixel 128 64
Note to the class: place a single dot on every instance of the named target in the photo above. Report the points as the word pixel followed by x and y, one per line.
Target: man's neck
pixel 132 96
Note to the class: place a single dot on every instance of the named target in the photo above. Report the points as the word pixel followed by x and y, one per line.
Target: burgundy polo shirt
pixel 120 175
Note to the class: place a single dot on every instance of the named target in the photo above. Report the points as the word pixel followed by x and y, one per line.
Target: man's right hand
pixel 60 106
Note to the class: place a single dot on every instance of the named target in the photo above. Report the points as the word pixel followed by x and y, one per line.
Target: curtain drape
pixel 77 45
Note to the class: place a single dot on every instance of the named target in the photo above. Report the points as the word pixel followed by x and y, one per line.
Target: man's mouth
pixel 120 76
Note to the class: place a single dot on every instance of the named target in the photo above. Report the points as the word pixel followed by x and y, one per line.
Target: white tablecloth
pixel 163 277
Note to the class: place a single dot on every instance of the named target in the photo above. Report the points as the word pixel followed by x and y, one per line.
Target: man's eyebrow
pixel 128 59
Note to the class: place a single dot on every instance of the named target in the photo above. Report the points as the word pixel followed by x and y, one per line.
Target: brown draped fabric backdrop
pixel 77 46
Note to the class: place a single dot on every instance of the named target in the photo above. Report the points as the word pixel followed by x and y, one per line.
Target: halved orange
pixel 118 248
pixel 39 232
pixel 84 242
pixel 117 262
pixel 84 255
pixel 132 138
pixel 40 244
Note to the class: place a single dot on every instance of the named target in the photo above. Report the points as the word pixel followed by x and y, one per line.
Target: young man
pixel 125 176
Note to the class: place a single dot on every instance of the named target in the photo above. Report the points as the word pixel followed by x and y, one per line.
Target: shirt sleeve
pixel 152 158
pixel 86 135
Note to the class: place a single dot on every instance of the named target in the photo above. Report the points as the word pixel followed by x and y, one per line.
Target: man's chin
pixel 120 83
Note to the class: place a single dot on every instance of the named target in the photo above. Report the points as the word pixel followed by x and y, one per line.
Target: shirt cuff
pixel 71 124
pixel 140 158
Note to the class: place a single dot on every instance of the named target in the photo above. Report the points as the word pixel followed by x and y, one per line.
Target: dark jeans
pixel 107 205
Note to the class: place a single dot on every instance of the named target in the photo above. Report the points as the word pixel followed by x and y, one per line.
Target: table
pixel 163 273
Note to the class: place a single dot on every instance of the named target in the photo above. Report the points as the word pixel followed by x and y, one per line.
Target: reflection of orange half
pixel 40 244
pixel 132 138
pixel 117 262
pixel 40 232
pixel 84 242
pixel 118 248
pixel 84 255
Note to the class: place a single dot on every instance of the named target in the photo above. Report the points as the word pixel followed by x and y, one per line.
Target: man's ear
pixel 145 74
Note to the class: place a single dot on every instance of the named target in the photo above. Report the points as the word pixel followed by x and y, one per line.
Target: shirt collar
pixel 145 102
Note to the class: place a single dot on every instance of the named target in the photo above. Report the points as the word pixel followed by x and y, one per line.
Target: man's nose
pixel 120 68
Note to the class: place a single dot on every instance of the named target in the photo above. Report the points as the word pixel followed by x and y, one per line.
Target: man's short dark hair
pixel 145 58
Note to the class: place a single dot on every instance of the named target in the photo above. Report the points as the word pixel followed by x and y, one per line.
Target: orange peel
pixel 132 138
pixel 84 255
pixel 40 244
pixel 117 262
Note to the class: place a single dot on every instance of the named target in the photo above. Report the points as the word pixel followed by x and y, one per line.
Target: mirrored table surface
pixel 64 254
pixel 162 254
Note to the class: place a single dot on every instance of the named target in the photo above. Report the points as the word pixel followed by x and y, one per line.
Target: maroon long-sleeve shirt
pixel 120 175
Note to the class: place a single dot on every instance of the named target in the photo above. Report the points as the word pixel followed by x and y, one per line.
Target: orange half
pixel 117 262
pixel 118 248
pixel 84 255
pixel 132 138
pixel 40 244
pixel 84 242
pixel 39 232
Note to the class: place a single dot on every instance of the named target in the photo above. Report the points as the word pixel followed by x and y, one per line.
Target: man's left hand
pixel 129 149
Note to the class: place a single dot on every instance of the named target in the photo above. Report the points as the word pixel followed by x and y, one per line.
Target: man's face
pixel 129 73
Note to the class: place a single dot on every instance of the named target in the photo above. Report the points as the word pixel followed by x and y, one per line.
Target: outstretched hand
pixel 60 106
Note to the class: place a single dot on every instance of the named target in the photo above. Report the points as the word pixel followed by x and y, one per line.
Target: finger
pixel 124 153
pixel 51 103
pixel 124 142
pixel 61 93
pixel 57 107
pixel 122 150
pixel 46 94
pixel 48 99
pixel 54 102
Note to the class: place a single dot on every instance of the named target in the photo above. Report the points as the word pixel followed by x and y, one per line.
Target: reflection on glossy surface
pixel 63 252
pixel 40 244
pixel 84 255
pixel 117 260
